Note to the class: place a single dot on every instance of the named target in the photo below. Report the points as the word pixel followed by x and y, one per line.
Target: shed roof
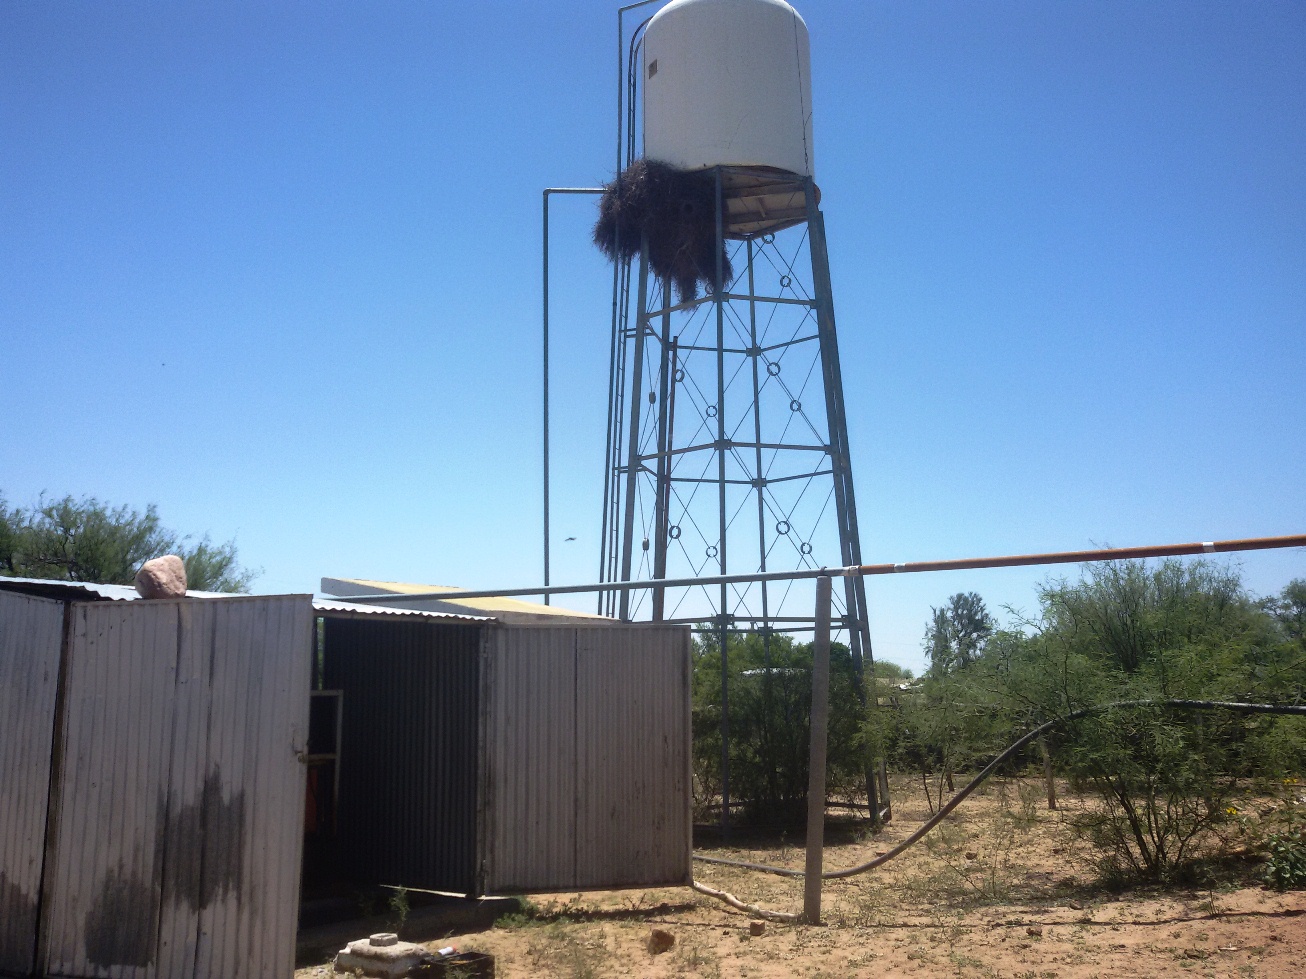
pixel 513 611
pixel 98 592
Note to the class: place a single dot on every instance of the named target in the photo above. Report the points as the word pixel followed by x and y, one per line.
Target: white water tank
pixel 728 83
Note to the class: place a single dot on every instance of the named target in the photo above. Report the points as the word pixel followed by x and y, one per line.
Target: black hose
pixel 991 767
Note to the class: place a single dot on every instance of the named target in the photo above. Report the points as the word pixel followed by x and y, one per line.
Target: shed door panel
pixel 530 784
pixel 633 822
pixel 181 794
pixel 31 638
pixel 253 792
pixel 106 867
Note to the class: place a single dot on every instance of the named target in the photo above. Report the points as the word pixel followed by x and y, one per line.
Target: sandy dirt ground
pixel 1001 889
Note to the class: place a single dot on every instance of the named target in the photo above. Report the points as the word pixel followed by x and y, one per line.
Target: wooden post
pixel 1047 773
pixel 820 722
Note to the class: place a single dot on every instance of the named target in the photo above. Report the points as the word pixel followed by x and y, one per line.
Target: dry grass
pixel 1003 890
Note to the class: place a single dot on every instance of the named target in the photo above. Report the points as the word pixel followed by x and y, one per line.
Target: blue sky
pixel 276 268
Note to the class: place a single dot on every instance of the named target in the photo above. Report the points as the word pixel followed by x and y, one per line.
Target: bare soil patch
pixel 1000 889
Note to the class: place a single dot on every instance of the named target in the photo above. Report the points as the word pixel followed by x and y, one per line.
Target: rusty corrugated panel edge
pixel 94 591
pixel 31 641
pixel 334 609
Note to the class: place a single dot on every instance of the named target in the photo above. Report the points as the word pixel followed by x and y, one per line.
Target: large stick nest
pixel 676 211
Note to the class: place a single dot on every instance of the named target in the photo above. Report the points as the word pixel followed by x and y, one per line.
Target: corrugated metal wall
pixel 633 792
pixel 408 750
pixel 586 757
pixel 529 760
pixel 31 638
pixel 177 840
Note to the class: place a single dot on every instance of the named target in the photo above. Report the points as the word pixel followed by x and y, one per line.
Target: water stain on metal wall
pixel 204 842
pixel 17 919
pixel 122 925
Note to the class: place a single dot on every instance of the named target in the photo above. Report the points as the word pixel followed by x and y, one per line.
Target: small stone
pixel 971 855
pixel 757 928
pixel 660 941
pixel 163 577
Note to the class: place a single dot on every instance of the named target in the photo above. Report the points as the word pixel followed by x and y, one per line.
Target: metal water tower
pixel 727 445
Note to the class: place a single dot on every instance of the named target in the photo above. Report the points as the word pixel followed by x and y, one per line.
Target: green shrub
pixel 770 696
pixel 1285 860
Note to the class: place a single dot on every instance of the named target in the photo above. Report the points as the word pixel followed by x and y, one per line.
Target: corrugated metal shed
pixel 504 759
pixel 169 739
pixel 31 638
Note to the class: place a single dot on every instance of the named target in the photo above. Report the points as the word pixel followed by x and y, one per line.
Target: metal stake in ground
pixel 816 758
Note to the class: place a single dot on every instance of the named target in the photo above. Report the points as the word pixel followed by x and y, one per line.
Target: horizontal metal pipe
pixel 909 567
pixel 732 444
pixel 572 190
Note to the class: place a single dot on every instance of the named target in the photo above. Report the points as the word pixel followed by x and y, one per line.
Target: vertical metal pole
pixel 664 490
pixel 632 456
pixel 845 501
pixel 820 720
pixel 758 480
pixel 546 395
pixel 718 295
pixel 833 405
pixel 609 462
pixel 664 461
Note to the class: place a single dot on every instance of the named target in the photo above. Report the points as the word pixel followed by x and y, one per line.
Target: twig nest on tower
pixel 675 210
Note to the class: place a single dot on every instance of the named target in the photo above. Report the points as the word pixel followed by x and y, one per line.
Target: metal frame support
pixel 548 191
pixel 819 727
pixel 718 299
pixel 633 432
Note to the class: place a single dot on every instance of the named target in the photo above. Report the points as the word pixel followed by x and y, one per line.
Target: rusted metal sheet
pixel 529 760
pixel 102 894
pixel 31 635
pixel 254 812
pixel 176 840
pixel 585 737
pixel 411 701
pixel 633 806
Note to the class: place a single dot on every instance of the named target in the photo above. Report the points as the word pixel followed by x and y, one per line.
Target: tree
pixel 957 632
pixel 770 714
pixel 883 669
pixel 1289 610
pixel 86 540
pixel 1179 630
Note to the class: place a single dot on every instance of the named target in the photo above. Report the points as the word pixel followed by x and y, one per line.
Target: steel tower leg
pixel 743 465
